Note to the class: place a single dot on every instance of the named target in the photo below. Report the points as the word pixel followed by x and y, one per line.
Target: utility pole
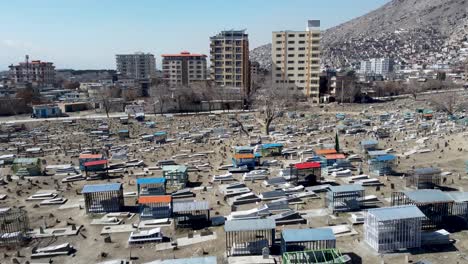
pixel 342 86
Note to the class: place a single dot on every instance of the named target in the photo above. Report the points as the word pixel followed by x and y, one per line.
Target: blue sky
pixel 86 34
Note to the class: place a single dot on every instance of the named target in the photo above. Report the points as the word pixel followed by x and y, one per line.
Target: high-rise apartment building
pixel 184 68
pixel 137 66
pixel 376 66
pixel 229 51
pixel 35 71
pixel 296 60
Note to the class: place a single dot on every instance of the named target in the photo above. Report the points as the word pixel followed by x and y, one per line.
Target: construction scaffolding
pixel 435 204
pixel 103 198
pixel 344 198
pixel 325 256
pixel 392 228
pixel 293 240
pixel 14 226
pixel 424 178
pixel 249 237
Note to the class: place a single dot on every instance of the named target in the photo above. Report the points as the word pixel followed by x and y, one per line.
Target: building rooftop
pixel 369 142
pixel 25 160
pixel 184 54
pixel 387 157
pixel 101 188
pixel 424 171
pixel 179 168
pixel 155 199
pixel 428 196
pixel 346 188
pixel 307 165
pixel 95 163
pixel 197 260
pixel 249 225
pixel 151 180
pixel 190 206
pixel 305 235
pixel 396 213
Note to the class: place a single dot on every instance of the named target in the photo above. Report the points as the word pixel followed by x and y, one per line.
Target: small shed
pixel 435 204
pixel 370 144
pixel 191 213
pixel 175 175
pixel 244 159
pixel 27 166
pixel 160 136
pixel 344 198
pixel 307 239
pixel 103 198
pixel 155 207
pixel 333 158
pixel 147 138
pixel 123 133
pixel 424 178
pixel 392 228
pixel 151 186
pixel 249 237
pixel 322 152
pixel 97 167
pixel 382 165
pixel 271 149
pixel 307 173
pixel 83 158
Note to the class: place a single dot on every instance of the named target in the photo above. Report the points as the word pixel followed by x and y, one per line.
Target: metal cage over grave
pixel 27 167
pixel 424 178
pixel 103 198
pixel 176 175
pixel 14 226
pixel 460 205
pixel 96 168
pixel 191 213
pixel 306 173
pixel 124 133
pixel 382 165
pixel 155 207
pixel 83 158
pixel 331 256
pixel 307 239
pixel 271 149
pixel 435 204
pixel 249 237
pixel 392 228
pixel 151 186
pixel 160 136
pixel 370 144
pixel 344 197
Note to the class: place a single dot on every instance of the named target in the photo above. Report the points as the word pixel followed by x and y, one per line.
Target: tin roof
pixel 335 156
pixel 428 196
pixel 150 180
pixel 396 213
pixel 109 187
pixel 387 157
pixel 244 156
pixel 346 188
pixel 155 199
pixel 95 163
pixel 180 168
pixel 325 151
pixel 190 206
pixel 369 142
pixel 309 234
pixel 425 171
pixel 307 165
pixel 249 225
pixel 272 145
pixel 90 156
pixel 25 160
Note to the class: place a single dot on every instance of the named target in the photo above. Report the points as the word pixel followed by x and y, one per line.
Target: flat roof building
pixel 137 66
pixel 35 71
pixel 183 69
pixel 229 55
pixel 296 60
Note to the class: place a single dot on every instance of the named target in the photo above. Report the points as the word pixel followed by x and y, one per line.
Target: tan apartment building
pixel 229 51
pixel 183 69
pixel 296 60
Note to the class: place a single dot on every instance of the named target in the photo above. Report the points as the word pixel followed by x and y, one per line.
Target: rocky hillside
pixel 408 30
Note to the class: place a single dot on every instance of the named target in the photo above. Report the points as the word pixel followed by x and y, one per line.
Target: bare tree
pixel 448 102
pixel 271 103
pixel 160 95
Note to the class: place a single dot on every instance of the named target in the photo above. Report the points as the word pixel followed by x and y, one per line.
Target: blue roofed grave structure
pixel 175 175
pixel 293 240
pixel 103 198
pixel 344 198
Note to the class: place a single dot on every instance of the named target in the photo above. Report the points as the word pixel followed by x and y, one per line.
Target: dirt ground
pixel 449 152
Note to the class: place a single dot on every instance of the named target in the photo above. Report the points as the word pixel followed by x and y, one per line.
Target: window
pixel 278 62
pixel 301 62
pixel 278 42
pixel 290 48
pixel 301 42
pixel 301 55
pixel 290 62
pixel 301 68
pixel 290 68
pixel 291 36
pixel 291 75
pixel 291 42
pixel 301 48
pixel 315 35
pixel 278 55
pixel 278 49
pixel 291 55
pixel 301 35
pixel 278 35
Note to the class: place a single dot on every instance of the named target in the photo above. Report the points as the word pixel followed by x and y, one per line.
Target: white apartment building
pixel 296 60
pixel 137 66
pixel 183 69
pixel 376 66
